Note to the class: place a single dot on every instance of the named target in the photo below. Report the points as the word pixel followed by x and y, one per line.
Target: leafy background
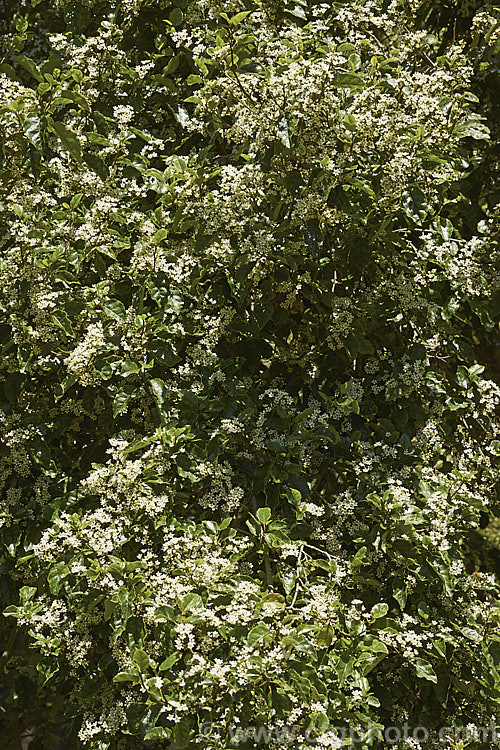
pixel 249 266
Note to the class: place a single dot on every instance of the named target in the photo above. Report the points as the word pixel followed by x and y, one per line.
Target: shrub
pixel 249 294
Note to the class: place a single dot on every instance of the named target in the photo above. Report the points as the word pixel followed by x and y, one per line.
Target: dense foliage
pixel 249 296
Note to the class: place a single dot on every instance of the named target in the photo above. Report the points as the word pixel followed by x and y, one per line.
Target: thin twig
pixel 6 653
pixel 321 551
pixel 269 573
pixel 297 585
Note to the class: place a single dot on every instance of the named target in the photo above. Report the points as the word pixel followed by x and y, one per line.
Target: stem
pixel 297 585
pixel 267 564
pixel 10 643
pixel 321 551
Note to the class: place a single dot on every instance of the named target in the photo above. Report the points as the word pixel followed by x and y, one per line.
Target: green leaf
pixel 440 646
pixel 69 139
pixel 176 17
pixel 374 645
pixel 189 398
pixel 157 387
pixel 350 122
pixel 462 376
pixel 109 608
pixel 165 613
pixel 30 66
pixel 473 129
pixel 26 593
pixel 63 387
pixel 252 527
pixel 158 733
pixel 56 577
pixel 442 688
pixel 344 669
pixel 378 647
pixel 399 594
pixel 160 235
pixel 77 99
pixel 358 558
pixel 325 636
pixel 239 17
pixel 264 515
pixel 346 48
pixel 32 130
pixel 129 368
pixel 347 80
pixel 370 662
pixel 472 634
pixel 379 610
pixel 162 352
pixel 191 601
pixel 424 669
pixel 257 634
pixel 274 598
pixel 97 165
pixel 142 660
pixel 169 662
pixel 319 721
pixel 182 733
pixel 297 12
pixel 13 612
pixel 354 61
pixel 13 386
pixel 115 309
pixel 60 317
pixel 442 568
pixel 475 371
pixel 121 401
pixel 289 581
pixel 130 675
